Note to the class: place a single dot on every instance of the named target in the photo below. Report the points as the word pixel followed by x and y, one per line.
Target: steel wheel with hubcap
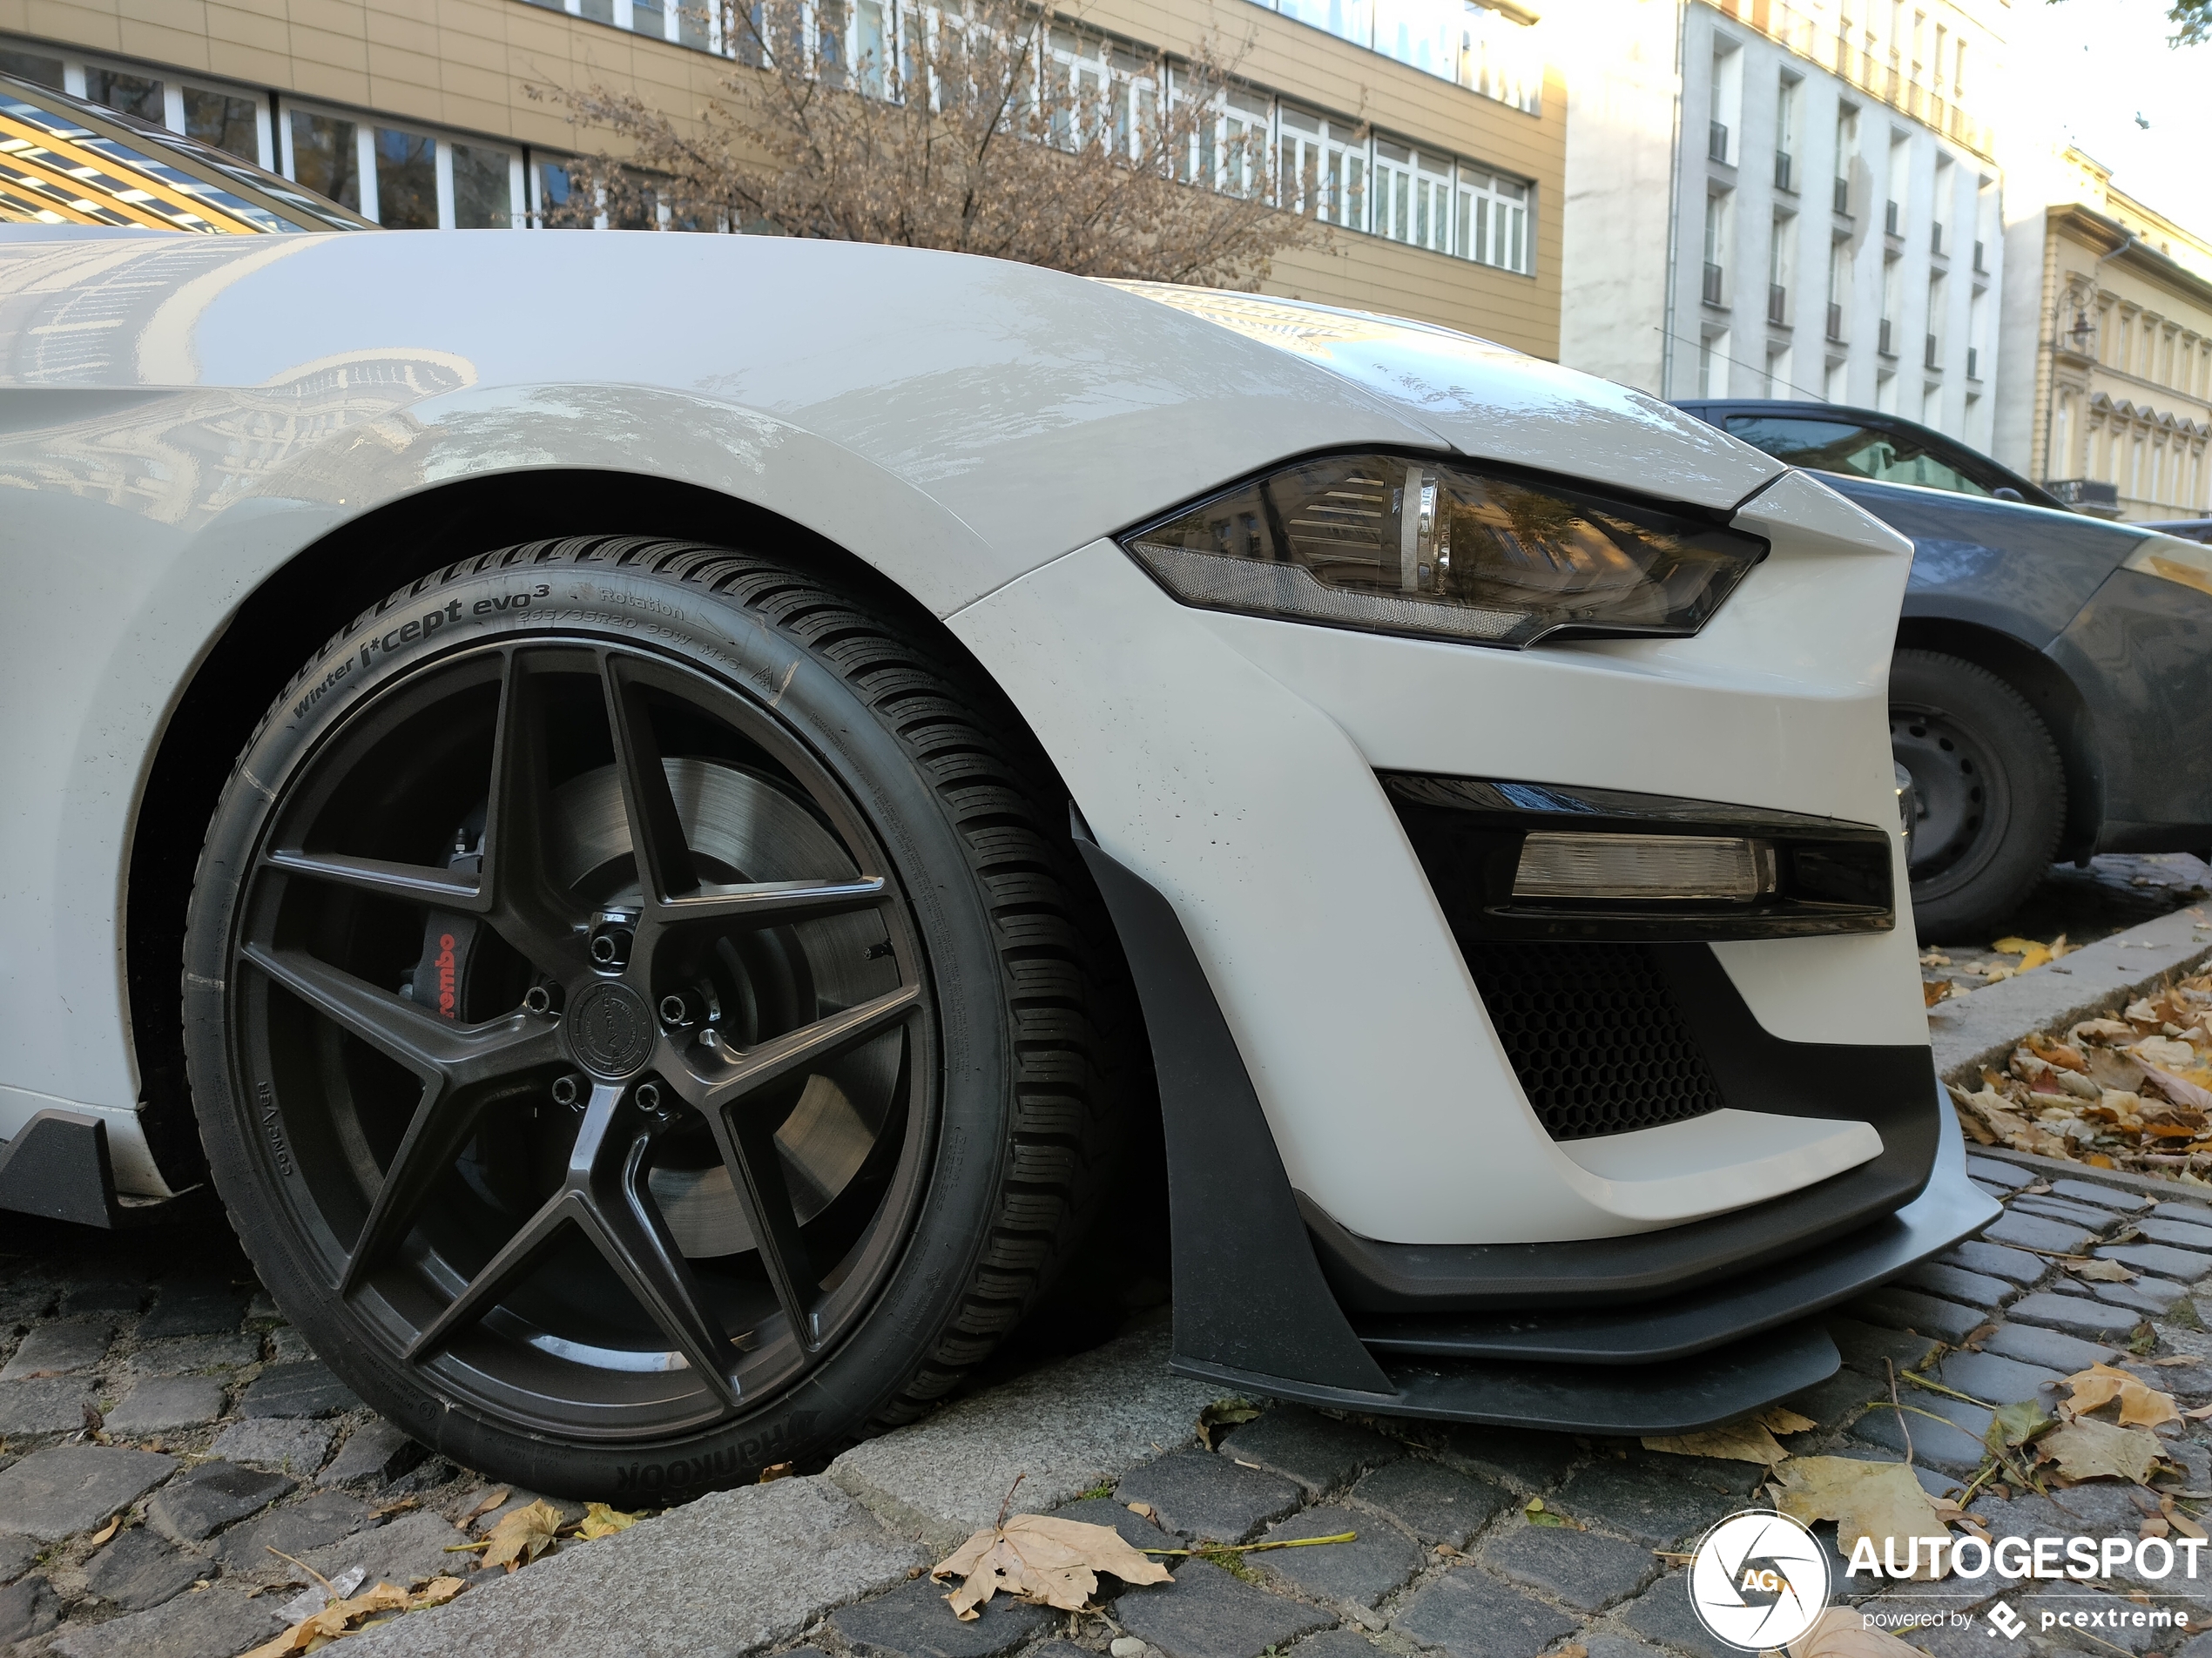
pixel 578 1074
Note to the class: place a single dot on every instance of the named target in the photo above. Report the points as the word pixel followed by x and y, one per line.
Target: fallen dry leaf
pixel 335 1620
pixel 485 1504
pixel 2090 1450
pixel 105 1532
pixel 2141 1405
pixel 1842 1633
pixel 1780 1419
pixel 1042 1559
pixel 1747 1441
pixel 2181 1521
pixel 1222 1413
pixel 599 1520
pixel 1878 1500
pixel 2102 1271
pixel 2031 953
pixel 778 1471
pixel 521 1536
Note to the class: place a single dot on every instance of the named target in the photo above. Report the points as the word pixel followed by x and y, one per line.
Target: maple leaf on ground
pixel 600 1520
pixel 1041 1559
pixel 1882 1500
pixel 2141 1405
pixel 2092 1450
pixel 522 1536
pixel 341 1617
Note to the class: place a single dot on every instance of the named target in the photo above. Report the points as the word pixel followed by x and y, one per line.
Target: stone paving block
pixel 1469 1614
pixel 102 1298
pixel 297 1447
pixel 1524 1459
pixel 320 1518
pixel 1639 1502
pixel 913 1622
pixel 1358 1572
pixel 1996 1261
pixel 139 1570
pixel 1999 1173
pixel 68 1488
pixel 1205 1613
pixel 2055 1209
pixel 201 1501
pixel 307 1388
pixel 1318 1452
pixel 1136 1531
pixel 2153 1298
pixel 1953 1443
pixel 182 1354
pixel 2112 1197
pixel 406 1550
pixel 51 1404
pixel 1589 1572
pixel 1723 1474
pixel 58 1349
pixel 1437 1504
pixel 2160 1230
pixel 1662 1613
pixel 162 1404
pixel 17 1553
pixel 2034 1232
pixel 1835 1401
pixel 377 1452
pixel 1336 1643
pixel 2063 1353
pixel 2188 1214
pixel 214 1624
pixel 1606 1645
pixel 1202 1495
pixel 1994 1378
pixel 288 1346
pixel 29 1607
pixel 1957 1284
pixel 1865 1346
pixel 2088 1510
pixel 1065 1426
pixel 1923 1315
pixel 668 1584
pixel 2079 1315
pixel 192 1310
pixel 2183 1266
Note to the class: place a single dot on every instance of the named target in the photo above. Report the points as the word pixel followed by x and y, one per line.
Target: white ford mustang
pixel 645 806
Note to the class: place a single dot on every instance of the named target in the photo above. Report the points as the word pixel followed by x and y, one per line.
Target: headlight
pixel 2175 559
pixel 1395 544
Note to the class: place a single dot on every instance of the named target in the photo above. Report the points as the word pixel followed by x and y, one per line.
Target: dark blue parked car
pixel 2051 695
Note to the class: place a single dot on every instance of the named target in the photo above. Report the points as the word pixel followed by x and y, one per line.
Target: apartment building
pixel 2110 350
pixel 1771 202
pixel 1428 134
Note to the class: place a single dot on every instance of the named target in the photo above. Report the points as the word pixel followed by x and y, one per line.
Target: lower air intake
pixel 1593 1034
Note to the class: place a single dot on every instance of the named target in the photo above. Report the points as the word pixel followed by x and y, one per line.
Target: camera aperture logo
pixel 1758 1579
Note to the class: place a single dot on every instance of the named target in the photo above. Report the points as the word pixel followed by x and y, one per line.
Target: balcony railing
pixel 1716 140
pixel 1836 322
pixel 1980 269
pixel 1935 237
pixel 1882 338
pixel 1892 84
pixel 1712 283
pixel 1973 362
pixel 1781 173
pixel 1843 197
pixel 1892 216
pixel 1932 357
pixel 1778 303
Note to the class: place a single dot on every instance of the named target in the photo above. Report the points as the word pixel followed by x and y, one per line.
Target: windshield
pixel 1865 452
pixel 66 162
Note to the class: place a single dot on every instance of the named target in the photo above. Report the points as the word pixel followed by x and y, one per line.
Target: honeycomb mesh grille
pixel 1593 1034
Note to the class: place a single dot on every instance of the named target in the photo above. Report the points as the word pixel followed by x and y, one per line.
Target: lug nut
pixel 543 999
pixel 650 1102
pixel 569 1091
pixel 610 946
pixel 680 1007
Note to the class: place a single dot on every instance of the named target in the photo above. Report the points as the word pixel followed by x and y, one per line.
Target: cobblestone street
pixel 225 1442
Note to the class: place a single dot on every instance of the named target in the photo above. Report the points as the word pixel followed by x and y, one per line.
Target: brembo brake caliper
pixel 439 981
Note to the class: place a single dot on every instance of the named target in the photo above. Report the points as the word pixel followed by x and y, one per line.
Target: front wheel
pixel 1987 797
pixel 640 1020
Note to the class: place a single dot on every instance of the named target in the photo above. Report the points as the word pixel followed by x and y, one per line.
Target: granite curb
pixel 1980 1029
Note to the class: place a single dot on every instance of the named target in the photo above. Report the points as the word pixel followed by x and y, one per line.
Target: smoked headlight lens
pixel 1391 544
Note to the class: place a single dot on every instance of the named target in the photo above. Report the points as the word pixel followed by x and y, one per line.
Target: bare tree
pixel 980 126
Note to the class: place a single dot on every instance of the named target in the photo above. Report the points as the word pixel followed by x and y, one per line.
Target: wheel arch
pixel 2050 691
pixel 318 592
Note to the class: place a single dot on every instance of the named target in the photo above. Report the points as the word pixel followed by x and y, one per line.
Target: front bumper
pixel 1697 1335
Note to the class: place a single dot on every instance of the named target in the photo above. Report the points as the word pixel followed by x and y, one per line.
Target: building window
pixel 1837 387
pixel 1716 240
pixel 406 180
pixel 34 67
pixel 1712 366
pixel 482 188
pixel 139 95
pixel 323 152
pixel 1494 221
pixel 1479 47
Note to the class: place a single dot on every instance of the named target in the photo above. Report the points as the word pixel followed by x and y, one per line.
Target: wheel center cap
pixel 610 1030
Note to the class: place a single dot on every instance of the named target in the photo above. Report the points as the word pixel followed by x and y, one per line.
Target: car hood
pixel 1035 411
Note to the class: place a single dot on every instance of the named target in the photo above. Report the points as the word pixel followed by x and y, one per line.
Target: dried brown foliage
pixel 990 128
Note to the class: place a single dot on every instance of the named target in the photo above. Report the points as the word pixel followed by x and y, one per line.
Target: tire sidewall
pixel 246 1142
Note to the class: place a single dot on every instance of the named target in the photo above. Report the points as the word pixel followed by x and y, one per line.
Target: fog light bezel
pixel 1828 875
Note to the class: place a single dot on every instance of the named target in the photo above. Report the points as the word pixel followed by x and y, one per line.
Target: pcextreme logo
pixel 1758 1580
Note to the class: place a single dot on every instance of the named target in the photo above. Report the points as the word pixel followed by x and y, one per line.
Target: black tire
pixel 1988 792
pixel 977 1031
